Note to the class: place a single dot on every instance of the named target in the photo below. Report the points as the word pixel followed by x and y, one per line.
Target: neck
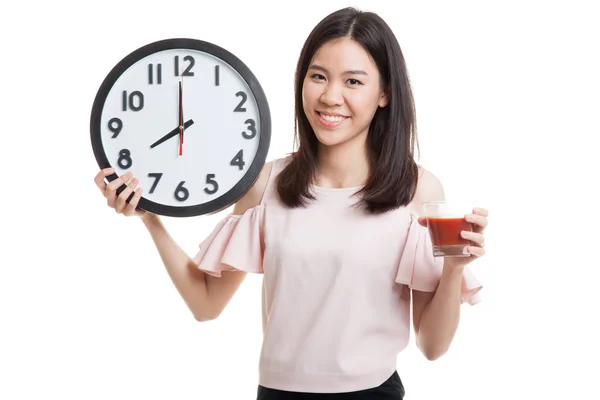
pixel 342 166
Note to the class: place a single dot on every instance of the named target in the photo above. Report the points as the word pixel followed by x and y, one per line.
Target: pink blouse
pixel 336 286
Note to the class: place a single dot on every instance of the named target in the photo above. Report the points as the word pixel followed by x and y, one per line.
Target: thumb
pixel 422 221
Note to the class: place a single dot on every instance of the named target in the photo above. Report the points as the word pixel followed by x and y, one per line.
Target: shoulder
pixel 256 192
pixel 429 188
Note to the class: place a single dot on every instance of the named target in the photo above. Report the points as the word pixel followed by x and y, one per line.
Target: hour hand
pixel 169 135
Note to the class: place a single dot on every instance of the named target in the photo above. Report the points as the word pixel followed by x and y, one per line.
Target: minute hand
pixel 169 135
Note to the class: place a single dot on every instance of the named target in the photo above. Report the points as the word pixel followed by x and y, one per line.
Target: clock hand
pixel 174 132
pixel 181 117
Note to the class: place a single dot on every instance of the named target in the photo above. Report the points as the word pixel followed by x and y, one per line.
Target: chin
pixel 331 138
pixel 338 137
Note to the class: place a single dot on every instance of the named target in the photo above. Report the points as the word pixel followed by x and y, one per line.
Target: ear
pixel 383 99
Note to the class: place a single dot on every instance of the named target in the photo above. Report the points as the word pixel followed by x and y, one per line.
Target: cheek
pixel 310 93
pixel 365 106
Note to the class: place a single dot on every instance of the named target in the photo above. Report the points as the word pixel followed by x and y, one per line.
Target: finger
pixel 481 211
pixel 122 199
pixel 476 251
pixel 478 220
pixel 111 188
pixel 133 203
pixel 114 185
pixel 422 221
pixel 474 237
pixel 100 176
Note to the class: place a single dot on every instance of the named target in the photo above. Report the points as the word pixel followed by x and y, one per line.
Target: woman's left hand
pixel 477 248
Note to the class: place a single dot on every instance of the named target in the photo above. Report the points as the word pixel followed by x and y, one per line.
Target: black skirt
pixel 391 389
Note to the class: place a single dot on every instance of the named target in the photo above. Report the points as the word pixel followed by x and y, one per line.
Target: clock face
pixel 157 90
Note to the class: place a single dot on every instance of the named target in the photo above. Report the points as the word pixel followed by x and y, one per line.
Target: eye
pixel 354 82
pixel 317 77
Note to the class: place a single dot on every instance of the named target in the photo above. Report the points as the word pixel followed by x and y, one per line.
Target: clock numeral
pixel 125 160
pixel 156 177
pixel 181 193
pixel 135 100
pixel 211 181
pixel 115 125
pixel 238 160
pixel 188 70
pixel 244 97
pixel 151 74
pixel 251 128
pixel 217 75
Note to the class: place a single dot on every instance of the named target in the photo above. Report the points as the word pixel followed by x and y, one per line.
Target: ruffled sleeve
pixel 420 270
pixel 235 244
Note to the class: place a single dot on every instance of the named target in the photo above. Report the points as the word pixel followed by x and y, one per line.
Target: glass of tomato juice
pixel 445 221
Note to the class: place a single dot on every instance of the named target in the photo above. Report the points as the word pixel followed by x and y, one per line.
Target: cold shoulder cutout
pixel 237 241
pixel 420 270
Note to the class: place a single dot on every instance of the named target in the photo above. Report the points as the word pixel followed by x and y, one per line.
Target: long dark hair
pixel 392 136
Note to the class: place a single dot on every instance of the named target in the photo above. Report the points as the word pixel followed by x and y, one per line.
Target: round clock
pixel 189 119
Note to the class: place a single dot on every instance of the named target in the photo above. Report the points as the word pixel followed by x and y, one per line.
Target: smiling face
pixel 341 92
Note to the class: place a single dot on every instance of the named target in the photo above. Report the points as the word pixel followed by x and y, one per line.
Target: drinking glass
pixel 445 221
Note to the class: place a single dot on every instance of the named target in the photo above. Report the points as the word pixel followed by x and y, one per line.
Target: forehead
pixel 344 55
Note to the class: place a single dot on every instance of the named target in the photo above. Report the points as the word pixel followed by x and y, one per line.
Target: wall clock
pixel 189 119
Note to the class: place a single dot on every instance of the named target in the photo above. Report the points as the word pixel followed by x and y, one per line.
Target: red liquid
pixel 446 231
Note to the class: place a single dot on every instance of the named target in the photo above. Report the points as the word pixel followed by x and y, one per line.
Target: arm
pixel 206 296
pixel 436 314
pixel 190 282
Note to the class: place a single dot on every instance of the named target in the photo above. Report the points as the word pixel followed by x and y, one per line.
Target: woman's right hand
pixel 119 203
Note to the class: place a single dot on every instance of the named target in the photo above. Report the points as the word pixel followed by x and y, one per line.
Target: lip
pixel 332 114
pixel 329 124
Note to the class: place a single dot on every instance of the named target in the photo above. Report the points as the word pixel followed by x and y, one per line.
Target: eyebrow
pixel 350 72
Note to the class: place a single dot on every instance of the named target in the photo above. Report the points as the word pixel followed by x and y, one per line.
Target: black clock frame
pixel 228 198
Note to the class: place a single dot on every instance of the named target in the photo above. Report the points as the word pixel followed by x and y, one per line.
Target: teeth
pixel 332 118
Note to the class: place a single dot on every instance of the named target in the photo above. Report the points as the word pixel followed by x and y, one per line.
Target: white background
pixel 507 102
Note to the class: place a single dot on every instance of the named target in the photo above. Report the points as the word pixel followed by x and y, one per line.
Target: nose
pixel 332 95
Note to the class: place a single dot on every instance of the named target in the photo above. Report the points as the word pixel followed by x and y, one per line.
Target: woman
pixel 334 228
